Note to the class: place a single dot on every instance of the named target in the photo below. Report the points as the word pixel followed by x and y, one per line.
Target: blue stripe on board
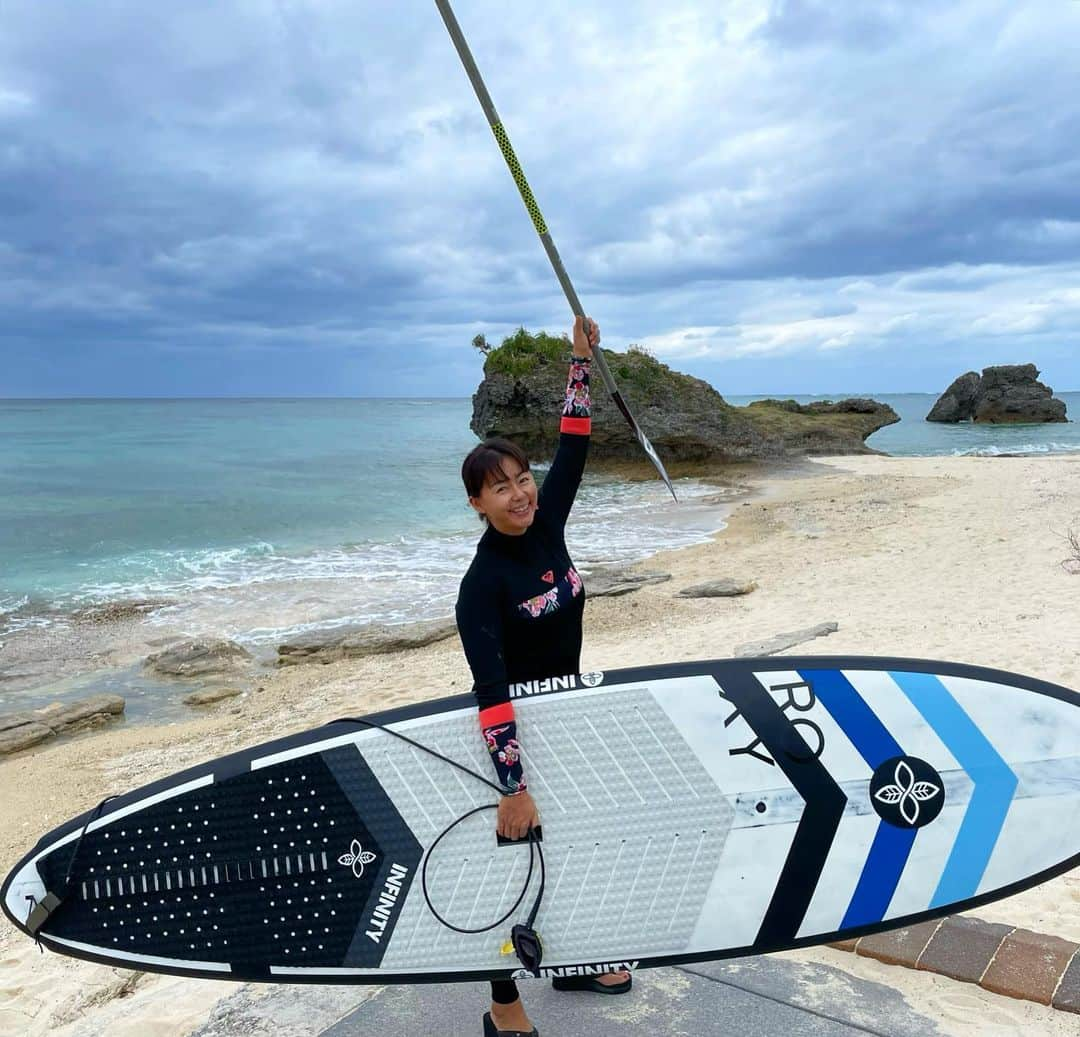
pixel 993 779
pixel 891 848
pixel 858 721
pixel 885 864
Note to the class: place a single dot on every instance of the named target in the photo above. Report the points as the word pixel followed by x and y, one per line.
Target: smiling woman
pixel 520 607
pixel 500 486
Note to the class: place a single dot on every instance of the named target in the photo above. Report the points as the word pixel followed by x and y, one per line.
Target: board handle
pixel 538 831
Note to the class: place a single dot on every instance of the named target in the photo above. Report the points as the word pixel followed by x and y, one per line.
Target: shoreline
pixel 63 651
pixel 951 558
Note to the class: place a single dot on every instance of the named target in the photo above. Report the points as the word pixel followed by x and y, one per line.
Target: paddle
pixel 541 228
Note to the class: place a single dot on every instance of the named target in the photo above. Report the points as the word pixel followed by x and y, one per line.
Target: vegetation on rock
pixel 685 418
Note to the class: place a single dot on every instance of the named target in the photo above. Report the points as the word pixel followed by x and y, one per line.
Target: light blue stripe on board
pixel 992 777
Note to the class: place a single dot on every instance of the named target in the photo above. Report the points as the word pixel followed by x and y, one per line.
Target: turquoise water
pixel 261 518
pixel 258 519
pixel 97 493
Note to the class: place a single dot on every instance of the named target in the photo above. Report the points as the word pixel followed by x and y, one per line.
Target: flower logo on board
pixel 356 858
pixel 907 792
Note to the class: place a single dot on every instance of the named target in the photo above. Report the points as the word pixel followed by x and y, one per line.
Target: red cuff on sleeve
pixel 576 426
pixel 503 713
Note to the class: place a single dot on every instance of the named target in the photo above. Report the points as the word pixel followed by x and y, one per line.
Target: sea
pixel 264 520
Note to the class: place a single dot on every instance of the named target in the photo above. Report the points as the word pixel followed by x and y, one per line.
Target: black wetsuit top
pixel 520 605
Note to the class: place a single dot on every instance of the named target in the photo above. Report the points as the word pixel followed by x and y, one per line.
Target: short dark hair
pixel 486 460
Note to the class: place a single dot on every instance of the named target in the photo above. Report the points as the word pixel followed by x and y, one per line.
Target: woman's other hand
pixel 517 814
pixel 585 344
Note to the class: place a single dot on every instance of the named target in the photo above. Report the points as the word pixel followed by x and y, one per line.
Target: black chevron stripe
pixel 824 799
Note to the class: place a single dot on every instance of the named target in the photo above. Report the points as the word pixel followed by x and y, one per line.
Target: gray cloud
pixel 315 184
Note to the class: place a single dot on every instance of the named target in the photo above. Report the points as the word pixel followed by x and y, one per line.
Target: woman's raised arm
pixel 564 477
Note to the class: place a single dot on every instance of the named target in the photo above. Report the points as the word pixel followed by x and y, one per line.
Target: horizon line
pixel 166 399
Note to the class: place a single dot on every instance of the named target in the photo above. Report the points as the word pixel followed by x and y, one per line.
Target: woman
pixel 519 616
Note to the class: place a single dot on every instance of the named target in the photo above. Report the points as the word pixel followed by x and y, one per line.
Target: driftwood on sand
pixel 781 642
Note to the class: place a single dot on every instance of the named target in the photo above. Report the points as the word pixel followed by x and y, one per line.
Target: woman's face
pixel 508 499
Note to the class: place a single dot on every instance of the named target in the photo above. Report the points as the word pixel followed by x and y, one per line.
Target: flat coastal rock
pixel 610 583
pixel 23 730
pixel 719 589
pixel 117 611
pixel 10 721
pixel 63 716
pixel 208 698
pixel 24 737
pixel 371 640
pixel 199 658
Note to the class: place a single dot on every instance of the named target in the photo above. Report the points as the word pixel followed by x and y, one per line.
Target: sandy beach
pixel 951 558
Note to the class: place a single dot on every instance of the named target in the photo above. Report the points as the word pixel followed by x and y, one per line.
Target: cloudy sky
pixel 302 197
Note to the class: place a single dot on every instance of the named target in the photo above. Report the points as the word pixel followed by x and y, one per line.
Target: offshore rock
pixel 957 403
pixel 685 418
pixel 1007 394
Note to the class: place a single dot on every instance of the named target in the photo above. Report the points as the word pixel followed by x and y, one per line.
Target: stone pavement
pixel 753 997
pixel 748 996
pixel 1001 958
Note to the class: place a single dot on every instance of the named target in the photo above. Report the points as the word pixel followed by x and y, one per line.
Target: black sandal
pixel 592 984
pixel 491 1030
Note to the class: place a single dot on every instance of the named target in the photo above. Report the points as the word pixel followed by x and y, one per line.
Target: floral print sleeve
pixel 500 734
pixel 578 407
pixel 564 477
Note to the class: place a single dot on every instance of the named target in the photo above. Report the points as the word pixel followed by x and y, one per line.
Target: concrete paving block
pixel 1029 965
pixel 898 946
pixel 1067 996
pixel 962 948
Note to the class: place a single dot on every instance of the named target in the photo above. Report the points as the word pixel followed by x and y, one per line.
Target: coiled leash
pixel 524 938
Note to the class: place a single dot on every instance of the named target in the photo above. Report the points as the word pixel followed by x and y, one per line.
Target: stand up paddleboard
pixel 692 811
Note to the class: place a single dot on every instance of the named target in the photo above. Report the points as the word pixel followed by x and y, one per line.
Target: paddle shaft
pixel 541 228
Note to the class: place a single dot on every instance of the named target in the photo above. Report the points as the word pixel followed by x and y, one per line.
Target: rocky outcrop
pixel 957 403
pixel 24 730
pixel 685 418
pixel 1008 394
pixel 199 659
pixel 369 640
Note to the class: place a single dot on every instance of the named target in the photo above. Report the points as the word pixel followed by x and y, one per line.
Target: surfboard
pixel 689 812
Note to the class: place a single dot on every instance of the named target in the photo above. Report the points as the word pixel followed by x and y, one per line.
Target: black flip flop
pixel 491 1030
pixel 592 984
